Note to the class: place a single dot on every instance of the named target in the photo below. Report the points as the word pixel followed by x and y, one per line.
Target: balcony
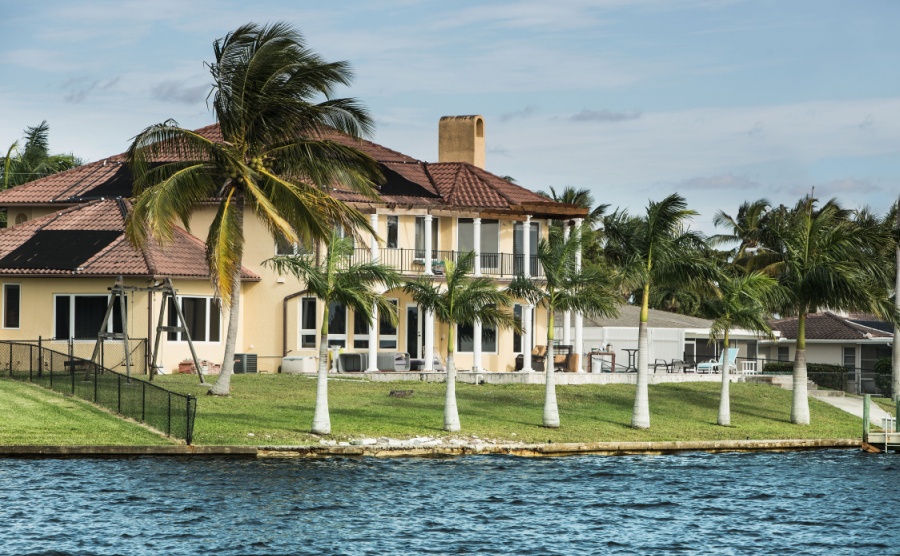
pixel 412 261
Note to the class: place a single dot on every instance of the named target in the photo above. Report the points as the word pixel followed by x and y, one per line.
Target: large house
pixel 65 247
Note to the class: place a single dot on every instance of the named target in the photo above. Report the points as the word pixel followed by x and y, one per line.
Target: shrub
pixel 883 376
pixel 823 374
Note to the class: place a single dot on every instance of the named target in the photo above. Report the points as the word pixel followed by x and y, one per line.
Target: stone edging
pixel 380 450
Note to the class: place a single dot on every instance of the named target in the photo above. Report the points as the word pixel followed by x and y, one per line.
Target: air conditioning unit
pixel 244 363
pixel 296 364
pixel 352 362
pixel 393 361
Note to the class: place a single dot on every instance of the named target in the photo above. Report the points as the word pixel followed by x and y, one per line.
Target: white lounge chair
pixel 714 366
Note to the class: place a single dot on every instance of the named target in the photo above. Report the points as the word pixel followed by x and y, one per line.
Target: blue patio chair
pixel 714 366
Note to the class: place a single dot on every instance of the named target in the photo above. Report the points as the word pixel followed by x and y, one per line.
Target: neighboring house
pixel 670 336
pixel 60 259
pixel 853 341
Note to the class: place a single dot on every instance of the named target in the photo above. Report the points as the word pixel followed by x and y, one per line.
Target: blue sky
pixel 720 100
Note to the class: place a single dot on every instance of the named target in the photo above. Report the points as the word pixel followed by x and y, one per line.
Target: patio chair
pixel 714 366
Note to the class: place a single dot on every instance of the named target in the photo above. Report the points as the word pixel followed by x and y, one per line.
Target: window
pixel 387 332
pixel 337 325
pixel 12 299
pixel 284 247
pixel 784 353
pixel 465 338
pixel 203 318
pixel 490 240
pixel 393 225
pixel 519 246
pixel 420 236
pixel 80 316
pixel 360 331
pixel 849 359
pixel 308 322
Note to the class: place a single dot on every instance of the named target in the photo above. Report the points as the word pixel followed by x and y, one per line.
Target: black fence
pixel 413 261
pixel 166 411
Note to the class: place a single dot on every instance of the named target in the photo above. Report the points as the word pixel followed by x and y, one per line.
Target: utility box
pixel 296 364
pixel 393 361
pixel 244 363
pixel 352 362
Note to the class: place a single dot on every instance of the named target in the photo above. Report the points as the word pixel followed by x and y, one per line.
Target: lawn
pixel 34 416
pixel 278 409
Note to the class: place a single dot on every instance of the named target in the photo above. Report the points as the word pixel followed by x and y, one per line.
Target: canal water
pixel 823 502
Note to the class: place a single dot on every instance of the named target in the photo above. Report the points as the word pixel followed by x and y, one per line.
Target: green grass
pixel 277 410
pixel 886 404
pixel 34 416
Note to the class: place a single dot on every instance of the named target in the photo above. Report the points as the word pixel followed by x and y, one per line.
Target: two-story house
pixel 65 246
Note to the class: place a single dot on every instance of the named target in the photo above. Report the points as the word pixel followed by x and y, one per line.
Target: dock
pixel 887 437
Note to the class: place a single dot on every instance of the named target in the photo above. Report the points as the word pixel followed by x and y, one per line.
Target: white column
pixel 476 227
pixel 567 315
pixel 579 319
pixel 476 348
pixel 429 341
pixel 373 324
pixel 527 310
pixel 428 253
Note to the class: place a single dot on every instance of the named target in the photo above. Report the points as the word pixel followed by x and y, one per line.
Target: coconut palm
pixel 34 160
pixel 894 217
pixel 650 250
pixel 743 229
pixel 826 259
pixel 274 158
pixel 743 300
pixel 564 287
pixel 336 279
pixel 461 300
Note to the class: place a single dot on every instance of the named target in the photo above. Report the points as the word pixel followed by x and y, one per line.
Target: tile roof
pixel 184 257
pixel 827 326
pixel 409 182
pixel 629 315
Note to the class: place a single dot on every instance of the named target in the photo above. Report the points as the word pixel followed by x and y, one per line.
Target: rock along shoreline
pixel 381 448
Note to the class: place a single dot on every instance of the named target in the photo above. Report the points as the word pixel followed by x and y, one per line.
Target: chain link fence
pixel 164 410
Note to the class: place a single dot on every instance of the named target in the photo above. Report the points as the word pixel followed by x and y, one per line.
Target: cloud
pixel 526 112
pixel 604 116
pixel 719 182
pixel 179 92
pixel 79 89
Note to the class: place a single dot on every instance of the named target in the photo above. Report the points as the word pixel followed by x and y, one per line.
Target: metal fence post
pixel 143 402
pixel 192 411
pixel 169 420
pixel 30 363
pixel 41 361
pixel 119 393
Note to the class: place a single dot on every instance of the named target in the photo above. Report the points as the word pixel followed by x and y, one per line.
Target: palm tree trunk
pixel 800 403
pixel 451 413
pixel 725 396
pixel 222 386
pixel 551 410
pixel 895 354
pixel 640 417
pixel 321 419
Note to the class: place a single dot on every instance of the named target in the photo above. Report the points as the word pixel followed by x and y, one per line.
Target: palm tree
pixel 462 300
pixel 564 287
pixel 744 229
pixel 650 250
pixel 826 260
pixel 336 279
pixel 591 231
pixel 274 158
pixel 742 301
pixel 34 161
pixel 895 353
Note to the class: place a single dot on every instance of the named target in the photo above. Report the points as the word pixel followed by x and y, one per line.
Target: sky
pixel 721 101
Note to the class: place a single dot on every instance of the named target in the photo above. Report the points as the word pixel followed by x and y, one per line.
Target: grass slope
pixel 34 416
pixel 278 409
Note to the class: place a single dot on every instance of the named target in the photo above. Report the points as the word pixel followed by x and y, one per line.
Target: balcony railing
pixel 412 261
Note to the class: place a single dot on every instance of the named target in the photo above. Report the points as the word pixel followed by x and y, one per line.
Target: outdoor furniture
pixel 715 366
pixel 679 366
pixel 538 357
pixel 748 367
pixel 631 355
pixel 564 359
pixel 597 358
pixel 661 363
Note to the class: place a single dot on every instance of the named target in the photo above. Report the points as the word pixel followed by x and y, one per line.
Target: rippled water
pixel 826 502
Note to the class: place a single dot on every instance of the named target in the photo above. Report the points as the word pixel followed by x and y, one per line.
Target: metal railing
pixel 413 261
pixel 169 412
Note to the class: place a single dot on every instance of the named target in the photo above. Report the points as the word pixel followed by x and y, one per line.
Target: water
pixel 825 502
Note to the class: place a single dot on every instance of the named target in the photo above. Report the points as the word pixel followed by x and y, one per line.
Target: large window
pixel 517 338
pixel 308 322
pixel 465 339
pixel 534 237
pixel 420 236
pixel 202 315
pixel 337 325
pixel 393 225
pixel 80 316
pixel 850 358
pixel 12 300
pixel 784 353
pixel 360 331
pixel 387 332
pixel 489 244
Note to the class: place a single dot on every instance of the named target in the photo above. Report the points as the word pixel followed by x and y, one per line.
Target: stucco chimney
pixel 461 139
